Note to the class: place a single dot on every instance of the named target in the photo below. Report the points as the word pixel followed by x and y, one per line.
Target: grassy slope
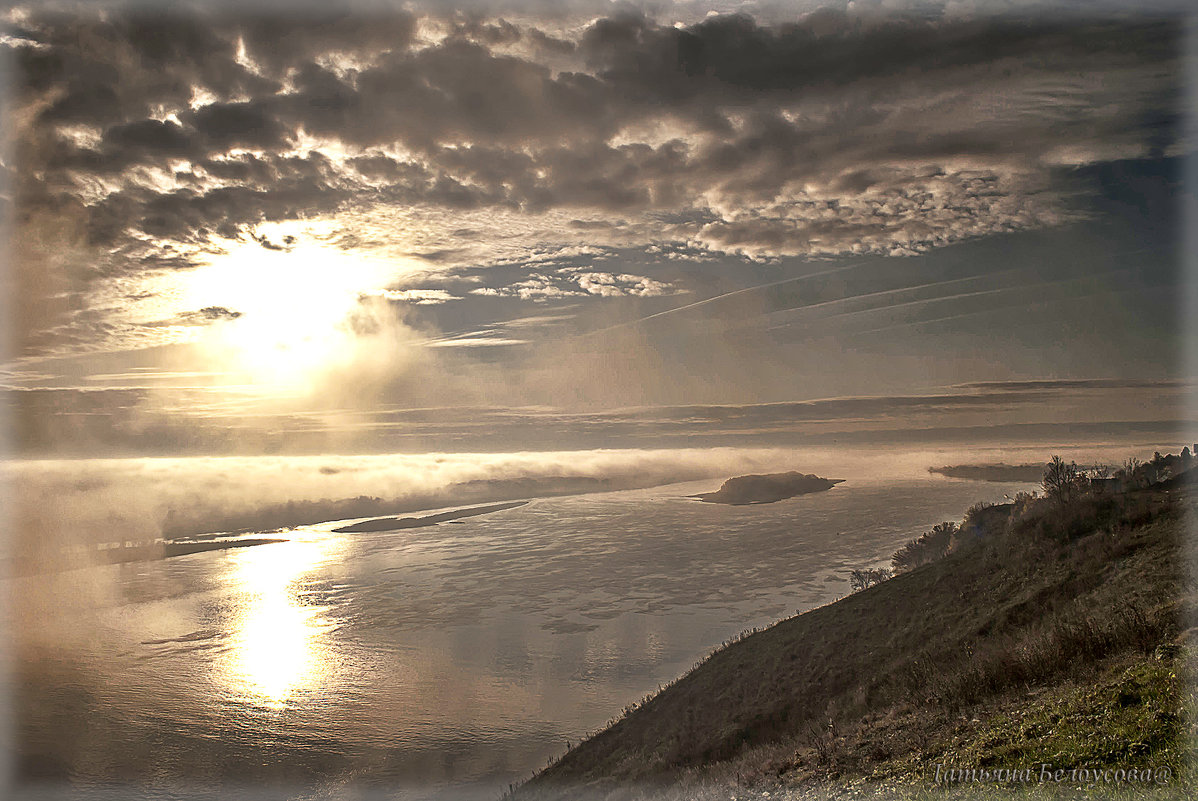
pixel 879 682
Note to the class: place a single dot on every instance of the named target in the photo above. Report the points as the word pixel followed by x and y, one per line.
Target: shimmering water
pixel 445 661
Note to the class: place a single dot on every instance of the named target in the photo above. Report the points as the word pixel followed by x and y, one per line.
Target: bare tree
pixel 1132 472
pixel 1064 482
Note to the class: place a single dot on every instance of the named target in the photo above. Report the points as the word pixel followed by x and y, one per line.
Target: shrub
pixel 862 578
pixel 927 548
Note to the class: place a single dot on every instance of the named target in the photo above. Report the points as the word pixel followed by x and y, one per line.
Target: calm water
pixel 436 662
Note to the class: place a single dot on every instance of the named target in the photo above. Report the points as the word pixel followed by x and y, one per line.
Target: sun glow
pixel 284 306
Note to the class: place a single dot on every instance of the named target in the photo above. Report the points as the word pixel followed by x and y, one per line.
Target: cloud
pixel 204 316
pixel 609 285
pixel 574 282
pixel 482 341
pixel 150 135
pixel 275 42
pixel 163 420
pixel 420 297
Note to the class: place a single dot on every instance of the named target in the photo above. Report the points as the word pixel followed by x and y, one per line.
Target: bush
pixel 862 578
pixel 929 547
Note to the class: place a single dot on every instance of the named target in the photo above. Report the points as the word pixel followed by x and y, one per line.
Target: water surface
pixel 444 661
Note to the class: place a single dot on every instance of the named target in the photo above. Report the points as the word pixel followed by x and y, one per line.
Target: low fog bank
pixel 73 507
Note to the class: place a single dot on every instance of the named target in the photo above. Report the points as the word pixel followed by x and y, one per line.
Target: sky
pixel 272 228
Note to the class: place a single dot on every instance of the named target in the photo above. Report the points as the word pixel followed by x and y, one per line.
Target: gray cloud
pixel 277 41
pixel 579 282
pixel 832 133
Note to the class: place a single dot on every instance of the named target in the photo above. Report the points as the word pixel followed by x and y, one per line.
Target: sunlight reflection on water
pixel 279 643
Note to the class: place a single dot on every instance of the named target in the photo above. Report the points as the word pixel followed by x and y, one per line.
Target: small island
pixel 767 488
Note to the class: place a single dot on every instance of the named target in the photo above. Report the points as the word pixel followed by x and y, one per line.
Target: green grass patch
pixel 1134 719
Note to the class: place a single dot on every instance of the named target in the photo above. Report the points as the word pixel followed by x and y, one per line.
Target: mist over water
pixel 443 662
pixel 80 502
pixel 89 501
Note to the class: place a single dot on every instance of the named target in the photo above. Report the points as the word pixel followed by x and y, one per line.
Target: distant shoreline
pixel 165 549
pixel 170 549
pixel 400 523
pixel 1032 473
pixel 152 552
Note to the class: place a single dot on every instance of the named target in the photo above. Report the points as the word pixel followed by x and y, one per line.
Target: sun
pixel 282 304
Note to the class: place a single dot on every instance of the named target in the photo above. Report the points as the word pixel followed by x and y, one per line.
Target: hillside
pixel 1046 603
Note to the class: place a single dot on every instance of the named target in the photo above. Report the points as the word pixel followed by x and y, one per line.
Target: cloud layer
pixel 141 418
pixel 143 140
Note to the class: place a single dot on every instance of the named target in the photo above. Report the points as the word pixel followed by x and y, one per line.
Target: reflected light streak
pixel 279 644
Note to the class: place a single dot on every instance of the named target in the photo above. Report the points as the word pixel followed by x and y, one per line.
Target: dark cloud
pixel 460 92
pixel 278 41
pixel 213 313
pixel 232 125
pixel 151 136
pixel 820 135
pixel 284 189
pixel 832 48
pixel 198 317
pixel 120 67
pixel 268 245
